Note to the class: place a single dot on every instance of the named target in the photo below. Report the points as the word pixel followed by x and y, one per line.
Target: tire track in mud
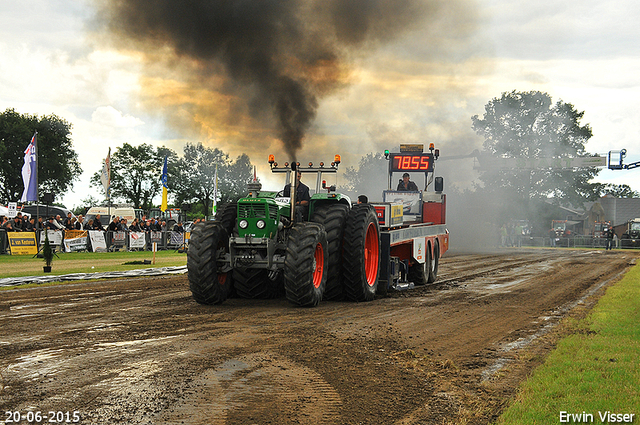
pixel 143 352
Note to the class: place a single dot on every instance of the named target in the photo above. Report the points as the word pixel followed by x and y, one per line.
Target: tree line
pixel 515 125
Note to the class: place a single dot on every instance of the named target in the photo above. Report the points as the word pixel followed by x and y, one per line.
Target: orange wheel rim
pixel 318 271
pixel 371 254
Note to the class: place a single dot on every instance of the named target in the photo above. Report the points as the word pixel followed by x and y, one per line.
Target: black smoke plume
pixel 287 54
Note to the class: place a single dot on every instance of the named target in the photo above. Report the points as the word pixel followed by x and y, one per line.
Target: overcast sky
pixel 422 86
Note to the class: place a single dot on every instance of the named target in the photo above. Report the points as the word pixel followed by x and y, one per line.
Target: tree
pixel 136 172
pixel 58 165
pixel 528 125
pixel 197 176
pixel 615 190
pixel 371 176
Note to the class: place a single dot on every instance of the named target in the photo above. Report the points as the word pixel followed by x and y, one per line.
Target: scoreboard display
pixel 422 162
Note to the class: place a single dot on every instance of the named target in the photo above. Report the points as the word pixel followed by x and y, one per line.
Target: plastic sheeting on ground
pixel 13 281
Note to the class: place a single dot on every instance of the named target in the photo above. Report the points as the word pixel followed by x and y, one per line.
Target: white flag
pixel 105 177
pixel 30 173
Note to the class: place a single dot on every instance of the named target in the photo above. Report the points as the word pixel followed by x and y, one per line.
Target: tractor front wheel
pixel 207 248
pixel 305 266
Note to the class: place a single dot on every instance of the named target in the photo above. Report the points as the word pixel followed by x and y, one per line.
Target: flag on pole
pixel 215 192
pixel 164 206
pixel 105 176
pixel 30 172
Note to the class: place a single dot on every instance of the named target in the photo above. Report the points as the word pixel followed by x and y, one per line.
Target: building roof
pixel 620 210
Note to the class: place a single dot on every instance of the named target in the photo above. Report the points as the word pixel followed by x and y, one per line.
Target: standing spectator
pixel 58 222
pixel 17 223
pixel 178 227
pixel 40 224
pixel 114 226
pixel 552 237
pixel 135 226
pixel 79 225
pixel 68 222
pixel 30 225
pixel 123 225
pixel 90 225
pixel 97 224
pixel 610 234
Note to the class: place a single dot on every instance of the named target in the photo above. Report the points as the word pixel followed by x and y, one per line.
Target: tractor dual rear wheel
pixel 208 245
pixel 333 218
pixel 305 265
pixel 361 253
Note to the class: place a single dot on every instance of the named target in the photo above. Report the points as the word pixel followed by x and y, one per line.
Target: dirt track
pixel 142 351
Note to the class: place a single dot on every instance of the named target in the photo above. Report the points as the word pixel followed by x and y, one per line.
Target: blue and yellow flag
pixel 164 207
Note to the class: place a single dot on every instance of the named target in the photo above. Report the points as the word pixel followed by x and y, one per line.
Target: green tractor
pixel 260 247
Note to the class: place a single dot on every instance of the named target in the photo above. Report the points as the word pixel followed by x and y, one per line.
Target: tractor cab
pixel 418 204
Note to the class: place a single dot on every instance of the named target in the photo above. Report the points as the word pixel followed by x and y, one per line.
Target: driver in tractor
pixel 302 197
pixel 407 185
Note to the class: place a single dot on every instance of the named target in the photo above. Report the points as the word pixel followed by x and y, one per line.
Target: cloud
pixel 109 116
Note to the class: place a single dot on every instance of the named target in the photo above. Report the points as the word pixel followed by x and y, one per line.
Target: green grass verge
pixel 87 262
pixel 594 370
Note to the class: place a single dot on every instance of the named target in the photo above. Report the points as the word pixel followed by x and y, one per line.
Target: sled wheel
pixel 419 272
pixel 305 266
pixel 361 254
pixel 208 245
pixel 433 270
pixel 333 217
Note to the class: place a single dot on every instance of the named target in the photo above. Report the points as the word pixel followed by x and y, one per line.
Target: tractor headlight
pixel 243 224
pixel 260 224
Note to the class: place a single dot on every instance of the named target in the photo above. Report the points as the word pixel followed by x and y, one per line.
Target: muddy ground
pixel 141 351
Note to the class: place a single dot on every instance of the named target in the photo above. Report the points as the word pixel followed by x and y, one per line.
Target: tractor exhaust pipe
pixel 293 190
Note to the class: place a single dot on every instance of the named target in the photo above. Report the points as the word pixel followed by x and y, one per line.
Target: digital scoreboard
pixel 422 162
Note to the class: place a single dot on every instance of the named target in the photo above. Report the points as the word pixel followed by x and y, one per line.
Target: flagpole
pixel 35 135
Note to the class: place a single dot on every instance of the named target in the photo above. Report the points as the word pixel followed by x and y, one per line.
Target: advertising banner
pixel 98 243
pixel 177 238
pixel 55 237
pixel 137 240
pixel 75 240
pixel 22 243
pixel 156 236
pixel 119 239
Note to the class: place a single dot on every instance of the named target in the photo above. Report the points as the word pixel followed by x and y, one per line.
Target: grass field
pixel 594 372
pixel 87 262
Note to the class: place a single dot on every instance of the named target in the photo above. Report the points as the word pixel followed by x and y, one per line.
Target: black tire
pixel 255 283
pixel 209 241
pixel 433 270
pixel 305 266
pixel 419 272
pixel 333 218
pixel 226 216
pixel 361 258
